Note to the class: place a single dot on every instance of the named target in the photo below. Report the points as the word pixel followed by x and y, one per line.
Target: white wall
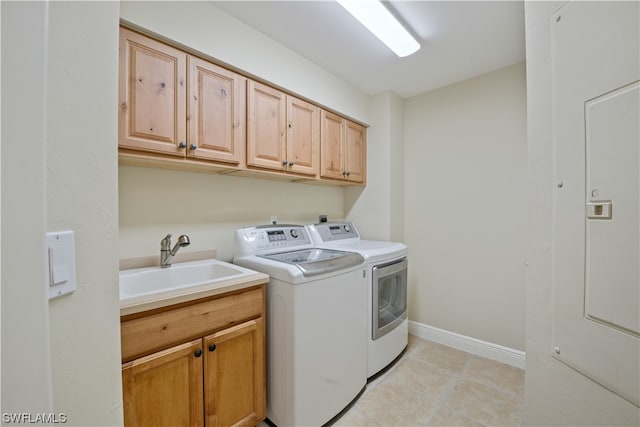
pixel 465 206
pixel 154 202
pixel 26 368
pixel 59 173
pixel 377 210
pixel 82 196
pixel 555 394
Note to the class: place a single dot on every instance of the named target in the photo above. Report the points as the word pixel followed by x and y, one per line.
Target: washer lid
pixel 317 261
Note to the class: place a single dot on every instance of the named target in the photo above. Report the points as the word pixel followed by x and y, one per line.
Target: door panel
pixel 355 154
pixel 234 375
pixel 613 180
pixel 266 131
pixel 168 379
pixel 303 136
pixel 152 95
pixel 332 146
pixel 595 72
pixel 216 112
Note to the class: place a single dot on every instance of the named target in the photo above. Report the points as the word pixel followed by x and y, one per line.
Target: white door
pixel 596 212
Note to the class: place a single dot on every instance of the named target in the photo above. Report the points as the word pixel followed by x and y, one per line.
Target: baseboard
pixel 475 346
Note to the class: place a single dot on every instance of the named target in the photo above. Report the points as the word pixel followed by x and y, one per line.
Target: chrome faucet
pixel 166 253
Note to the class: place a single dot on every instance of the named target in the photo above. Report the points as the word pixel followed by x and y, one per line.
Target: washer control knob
pixel 294 233
pixel 347 228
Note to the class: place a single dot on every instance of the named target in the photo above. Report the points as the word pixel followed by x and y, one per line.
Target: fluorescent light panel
pixel 377 19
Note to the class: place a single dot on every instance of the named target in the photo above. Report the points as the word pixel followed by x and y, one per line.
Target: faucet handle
pixel 166 242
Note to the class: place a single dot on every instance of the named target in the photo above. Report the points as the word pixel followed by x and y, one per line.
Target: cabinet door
pixel 152 95
pixel 235 386
pixel 216 113
pixel 355 152
pixel 331 156
pixel 165 388
pixel 303 136
pixel 266 131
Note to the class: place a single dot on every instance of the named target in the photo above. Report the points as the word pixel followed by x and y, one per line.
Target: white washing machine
pixel 388 325
pixel 316 323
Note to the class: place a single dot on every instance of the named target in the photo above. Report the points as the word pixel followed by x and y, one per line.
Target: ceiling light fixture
pixel 377 19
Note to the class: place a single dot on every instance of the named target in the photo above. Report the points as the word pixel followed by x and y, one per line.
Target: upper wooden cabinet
pixel 216 113
pixel 283 131
pixel 343 149
pixel 180 111
pixel 152 95
pixel 160 113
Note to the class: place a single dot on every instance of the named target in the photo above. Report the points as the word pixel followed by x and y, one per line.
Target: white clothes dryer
pixel 387 262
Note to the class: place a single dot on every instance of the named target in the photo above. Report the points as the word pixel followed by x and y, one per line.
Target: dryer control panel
pixel 331 231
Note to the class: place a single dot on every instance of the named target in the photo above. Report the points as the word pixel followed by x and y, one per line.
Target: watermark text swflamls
pixel 29 418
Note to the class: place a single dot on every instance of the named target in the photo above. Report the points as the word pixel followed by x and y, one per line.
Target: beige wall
pixel 154 202
pixel 465 206
pixel 59 173
pixel 82 196
pixel 377 210
pixel 26 366
pixel 555 394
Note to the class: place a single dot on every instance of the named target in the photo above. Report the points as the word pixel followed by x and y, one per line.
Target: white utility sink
pixel 153 283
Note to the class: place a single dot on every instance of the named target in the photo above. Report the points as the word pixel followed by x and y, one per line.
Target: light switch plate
pixel 62 263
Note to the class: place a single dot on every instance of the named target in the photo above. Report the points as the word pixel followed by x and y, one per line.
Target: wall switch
pixel 62 263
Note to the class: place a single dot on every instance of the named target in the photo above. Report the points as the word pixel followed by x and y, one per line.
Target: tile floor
pixel 436 385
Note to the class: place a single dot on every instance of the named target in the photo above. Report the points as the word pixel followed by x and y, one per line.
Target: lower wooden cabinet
pixel 215 380
pixel 234 375
pixel 165 388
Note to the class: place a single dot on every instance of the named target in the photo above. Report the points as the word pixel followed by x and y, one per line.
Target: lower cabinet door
pixel 234 375
pixel 165 388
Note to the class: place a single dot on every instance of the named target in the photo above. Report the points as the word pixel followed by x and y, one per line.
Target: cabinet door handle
pixel 182 145
pixel 348 173
pixel 284 163
pixel 290 163
pixel 193 146
pixel 212 347
pixel 198 353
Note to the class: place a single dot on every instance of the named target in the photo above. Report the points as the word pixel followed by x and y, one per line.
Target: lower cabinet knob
pixel 290 163
pixel 182 145
pixel 198 353
pixel 193 146
pixel 212 347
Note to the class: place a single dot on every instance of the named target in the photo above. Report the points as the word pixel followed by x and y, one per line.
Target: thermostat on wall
pixel 62 263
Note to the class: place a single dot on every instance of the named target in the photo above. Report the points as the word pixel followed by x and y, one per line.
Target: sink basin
pixel 152 283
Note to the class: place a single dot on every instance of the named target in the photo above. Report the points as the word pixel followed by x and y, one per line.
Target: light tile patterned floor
pixel 436 385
